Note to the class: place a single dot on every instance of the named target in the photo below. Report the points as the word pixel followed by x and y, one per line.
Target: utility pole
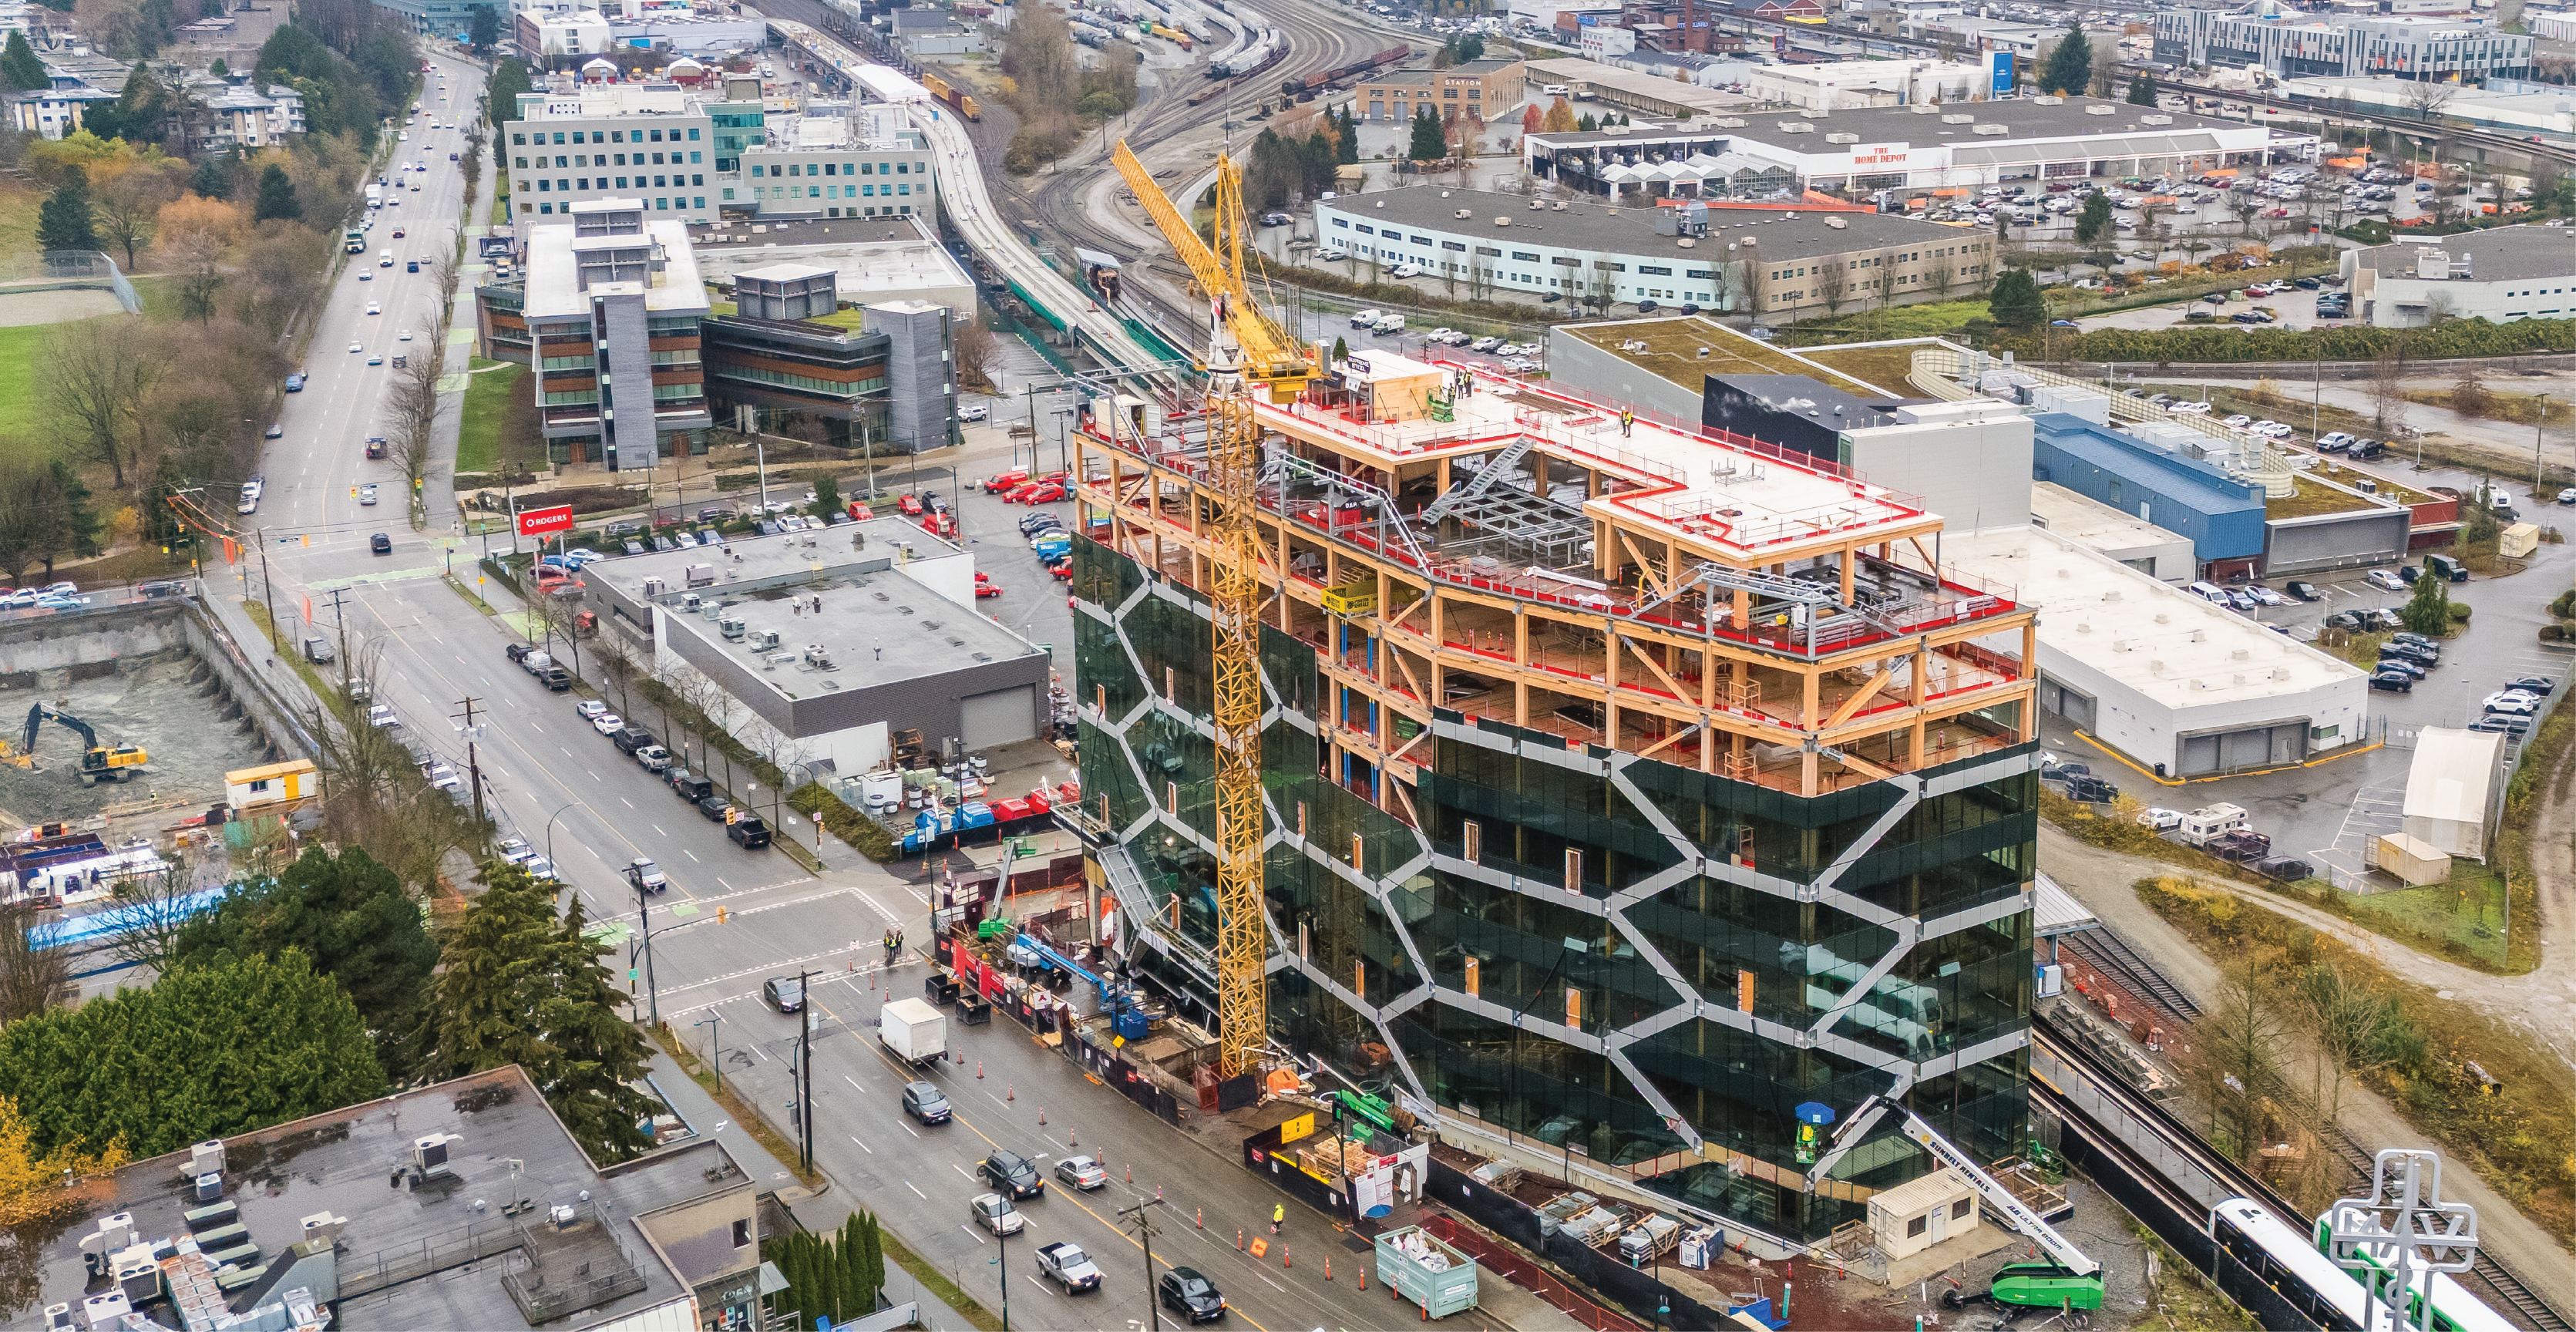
pixel 473 770
pixel 2536 428
pixel 714 1022
pixel 341 622
pixel 1143 1214
pixel 268 588
pixel 652 992
pixel 805 1071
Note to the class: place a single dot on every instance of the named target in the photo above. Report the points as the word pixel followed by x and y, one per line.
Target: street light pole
pixel 644 921
pixel 715 1045
pixel 550 830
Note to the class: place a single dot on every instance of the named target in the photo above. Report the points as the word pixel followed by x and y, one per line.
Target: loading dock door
pixel 998 718
pixel 2251 747
pixel 2074 705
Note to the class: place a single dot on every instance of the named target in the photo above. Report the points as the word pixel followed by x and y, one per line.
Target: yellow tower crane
pixel 1270 358
pixel 1243 349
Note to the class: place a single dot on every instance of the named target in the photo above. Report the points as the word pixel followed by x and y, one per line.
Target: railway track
pixel 2110 953
pixel 2114 957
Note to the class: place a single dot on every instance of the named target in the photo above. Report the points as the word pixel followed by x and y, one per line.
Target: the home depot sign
pixel 1879 156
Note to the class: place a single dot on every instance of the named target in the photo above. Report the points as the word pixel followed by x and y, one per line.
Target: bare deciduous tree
pixel 2237 1060
pixel 152 909
pixel 29 977
pixel 972 344
pixel 2388 388
pixel 92 374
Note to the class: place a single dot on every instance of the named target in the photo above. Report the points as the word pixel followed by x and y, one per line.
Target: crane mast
pixel 1237 333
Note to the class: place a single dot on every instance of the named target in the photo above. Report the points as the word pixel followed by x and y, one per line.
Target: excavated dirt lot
pixel 170 705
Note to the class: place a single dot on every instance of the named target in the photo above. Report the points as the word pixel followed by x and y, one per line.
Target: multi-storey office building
pixel 2290 46
pixel 610 309
pixel 1628 786
pixel 653 142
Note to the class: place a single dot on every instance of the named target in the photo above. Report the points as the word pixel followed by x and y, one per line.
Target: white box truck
pixel 913 1031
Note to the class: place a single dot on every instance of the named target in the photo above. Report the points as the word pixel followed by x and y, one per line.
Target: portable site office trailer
pixel 275 783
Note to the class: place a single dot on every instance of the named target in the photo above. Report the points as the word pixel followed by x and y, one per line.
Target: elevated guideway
pixel 969 206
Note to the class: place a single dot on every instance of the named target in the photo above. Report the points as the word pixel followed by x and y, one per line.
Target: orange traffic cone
pixel 1008 1094
pixel 1201 1214
pixel 1283 1257
pixel 1238 1238
pixel 1328 1267
pixel 979 1068
pixel 1041 1116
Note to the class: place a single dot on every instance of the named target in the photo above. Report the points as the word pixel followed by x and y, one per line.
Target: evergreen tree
pixel 1470 47
pixel 351 916
pixel 1341 350
pixel 2093 220
pixel 2428 612
pixel 2015 301
pixel 1347 149
pixel 2069 70
pixel 206 1052
pixel 210 181
pixel 64 221
pixel 20 70
pixel 501 92
pixel 596 1053
pixel 80 521
pixel 220 70
pixel 483 993
pixel 2142 89
pixel 276 196
pixel 485 30
pixel 1587 124
pixel 872 1273
pixel 1429 143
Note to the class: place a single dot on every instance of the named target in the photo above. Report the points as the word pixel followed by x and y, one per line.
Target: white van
pixel 1363 318
pixel 2210 592
pixel 1552 90
pixel 1388 323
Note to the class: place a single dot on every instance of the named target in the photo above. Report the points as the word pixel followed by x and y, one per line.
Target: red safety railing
pixel 1527 1275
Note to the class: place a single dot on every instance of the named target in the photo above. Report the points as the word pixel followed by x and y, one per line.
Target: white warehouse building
pixel 1839 85
pixel 2504 274
pixel 2180 686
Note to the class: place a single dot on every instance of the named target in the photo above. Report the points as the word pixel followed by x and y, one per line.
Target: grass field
pixel 1930 319
pixel 158 293
pixel 487 411
pixel 2468 911
pixel 19 410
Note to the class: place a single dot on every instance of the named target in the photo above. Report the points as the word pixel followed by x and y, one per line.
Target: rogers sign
pixel 1883 156
pixel 539 522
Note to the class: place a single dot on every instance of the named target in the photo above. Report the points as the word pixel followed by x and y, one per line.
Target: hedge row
pixel 2460 338
pixel 864 834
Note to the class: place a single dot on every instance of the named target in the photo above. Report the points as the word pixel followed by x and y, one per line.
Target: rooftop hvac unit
pixel 701 575
pixel 2050 100
pixel 690 602
pixel 1464 213
pixel 1796 127
pixel 1948 119
pixel 58 1318
pixel 731 627
pixel 113 1234
pixel 324 1228
pixel 654 587
pixel 139 1282
pixel 1991 129
pixel 1842 136
pixel 1561 206
pixel 106 1311
pixel 564 1216
pixel 1537 204
pixel 429 1157
pixel 817 657
pixel 209 1188
pixel 1502 220
pixel 206 1158
pixel 2100 109
pixel 1836 223
pixel 2155 120
pixel 765 639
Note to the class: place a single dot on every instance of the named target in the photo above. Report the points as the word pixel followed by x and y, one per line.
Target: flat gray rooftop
pixel 509 1147
pixel 2022 118
pixel 872 629
pixel 2501 254
pixel 1784 234
pixel 761 561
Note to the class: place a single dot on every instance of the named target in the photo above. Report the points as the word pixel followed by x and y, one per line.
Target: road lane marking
pixel 916 1192
pixel 863 1146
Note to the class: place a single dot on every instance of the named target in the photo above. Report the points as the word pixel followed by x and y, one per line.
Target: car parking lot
pixel 2326 812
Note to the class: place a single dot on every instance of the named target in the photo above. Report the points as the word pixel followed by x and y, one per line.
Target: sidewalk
pixel 817 1212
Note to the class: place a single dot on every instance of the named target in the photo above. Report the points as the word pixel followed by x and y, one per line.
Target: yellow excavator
pixel 98 763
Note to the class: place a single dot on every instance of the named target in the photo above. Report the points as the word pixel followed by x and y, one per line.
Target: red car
pixel 988 589
pixel 940 525
pixel 1020 493
pixel 860 511
pixel 1045 494
pixel 910 504
pixel 1062 569
pixel 1005 481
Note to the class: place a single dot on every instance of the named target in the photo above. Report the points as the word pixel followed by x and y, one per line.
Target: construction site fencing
pixel 1507 1216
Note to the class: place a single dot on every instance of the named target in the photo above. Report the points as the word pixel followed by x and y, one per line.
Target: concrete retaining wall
pixel 50 652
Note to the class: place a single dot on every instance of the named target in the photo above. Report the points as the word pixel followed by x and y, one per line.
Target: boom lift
pixel 1243 349
pixel 2066 1279
pixel 98 763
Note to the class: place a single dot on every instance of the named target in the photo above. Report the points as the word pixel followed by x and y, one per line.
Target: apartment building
pixel 1774 261
pixel 611 307
pixel 1630 784
pixel 1474 90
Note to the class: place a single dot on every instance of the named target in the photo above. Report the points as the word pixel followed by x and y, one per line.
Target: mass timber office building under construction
pixel 1629 786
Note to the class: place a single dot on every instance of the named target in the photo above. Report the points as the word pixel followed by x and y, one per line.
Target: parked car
pixel 2091 791
pixel 2386 580
pixel 747 831
pixel 2395 682
pixel 2502 724
pixel 2161 819
pixel 2402 666
pixel 2302 589
pixel 644 874
pixel 2531 684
